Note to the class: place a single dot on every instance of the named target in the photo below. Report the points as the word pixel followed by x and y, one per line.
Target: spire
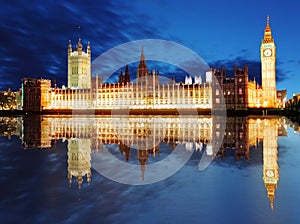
pixel 142 59
pixel 272 203
pixel 70 47
pixel 79 45
pixel 89 49
pixel 142 69
pixel 271 187
pixel 271 198
pixel 143 168
pixel 127 75
pixel 246 69
pixel 268 32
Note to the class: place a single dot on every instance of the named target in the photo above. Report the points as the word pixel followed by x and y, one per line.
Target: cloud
pixel 254 67
pixel 34 40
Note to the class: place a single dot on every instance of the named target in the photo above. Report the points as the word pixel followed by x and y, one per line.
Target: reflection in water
pixel 79 160
pixel 270 157
pixel 145 134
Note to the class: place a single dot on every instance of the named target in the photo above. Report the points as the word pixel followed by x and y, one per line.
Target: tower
pixel 241 87
pixel 79 66
pixel 268 68
pixel 142 71
pixel 270 157
pixel 127 75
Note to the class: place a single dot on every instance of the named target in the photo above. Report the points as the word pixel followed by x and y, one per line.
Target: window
pixel 240 79
pixel 241 134
pixel 240 91
pixel 75 70
pixel 217 92
pixel 217 100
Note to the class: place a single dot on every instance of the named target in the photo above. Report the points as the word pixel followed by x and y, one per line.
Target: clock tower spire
pixel 268 67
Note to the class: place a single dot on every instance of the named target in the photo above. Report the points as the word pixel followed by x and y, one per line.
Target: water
pixel 49 171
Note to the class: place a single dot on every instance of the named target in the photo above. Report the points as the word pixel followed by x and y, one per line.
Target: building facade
pixel 35 94
pixel 239 92
pixel 147 92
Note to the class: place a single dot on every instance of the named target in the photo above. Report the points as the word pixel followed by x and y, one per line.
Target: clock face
pixel 267 52
pixel 270 173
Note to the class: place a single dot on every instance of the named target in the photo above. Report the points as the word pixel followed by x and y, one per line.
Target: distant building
pixel 281 96
pixel 7 100
pixel 293 104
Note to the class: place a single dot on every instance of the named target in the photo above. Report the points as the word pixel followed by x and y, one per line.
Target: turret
pixel 79 45
pixel 89 49
pixel 142 69
pixel 245 69
pixel 69 48
pixel 127 75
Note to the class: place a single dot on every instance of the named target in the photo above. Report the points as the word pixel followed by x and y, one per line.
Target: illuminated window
pixel 217 92
pixel 217 100
pixel 240 80
pixel 241 134
pixel 240 91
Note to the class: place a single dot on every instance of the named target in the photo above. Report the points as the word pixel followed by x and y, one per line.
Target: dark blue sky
pixel 34 36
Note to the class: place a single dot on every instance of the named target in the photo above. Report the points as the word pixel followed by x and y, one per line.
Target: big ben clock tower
pixel 268 68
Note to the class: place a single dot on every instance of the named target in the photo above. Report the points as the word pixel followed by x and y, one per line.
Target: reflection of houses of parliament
pixel 144 132
pixel 85 133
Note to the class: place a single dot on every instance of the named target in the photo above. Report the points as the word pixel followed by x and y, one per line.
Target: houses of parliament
pixel 85 92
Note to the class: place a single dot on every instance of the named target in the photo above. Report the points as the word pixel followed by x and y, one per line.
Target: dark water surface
pixel 47 173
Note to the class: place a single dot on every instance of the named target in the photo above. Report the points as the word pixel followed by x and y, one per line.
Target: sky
pixel 35 34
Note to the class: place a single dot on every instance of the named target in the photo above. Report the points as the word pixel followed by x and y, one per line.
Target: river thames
pixel 149 169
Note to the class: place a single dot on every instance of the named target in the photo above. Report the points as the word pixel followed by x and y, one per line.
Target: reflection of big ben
pixel 270 166
pixel 79 160
pixel 268 69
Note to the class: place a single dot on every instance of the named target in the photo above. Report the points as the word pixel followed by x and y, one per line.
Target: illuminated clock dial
pixel 267 52
pixel 270 173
